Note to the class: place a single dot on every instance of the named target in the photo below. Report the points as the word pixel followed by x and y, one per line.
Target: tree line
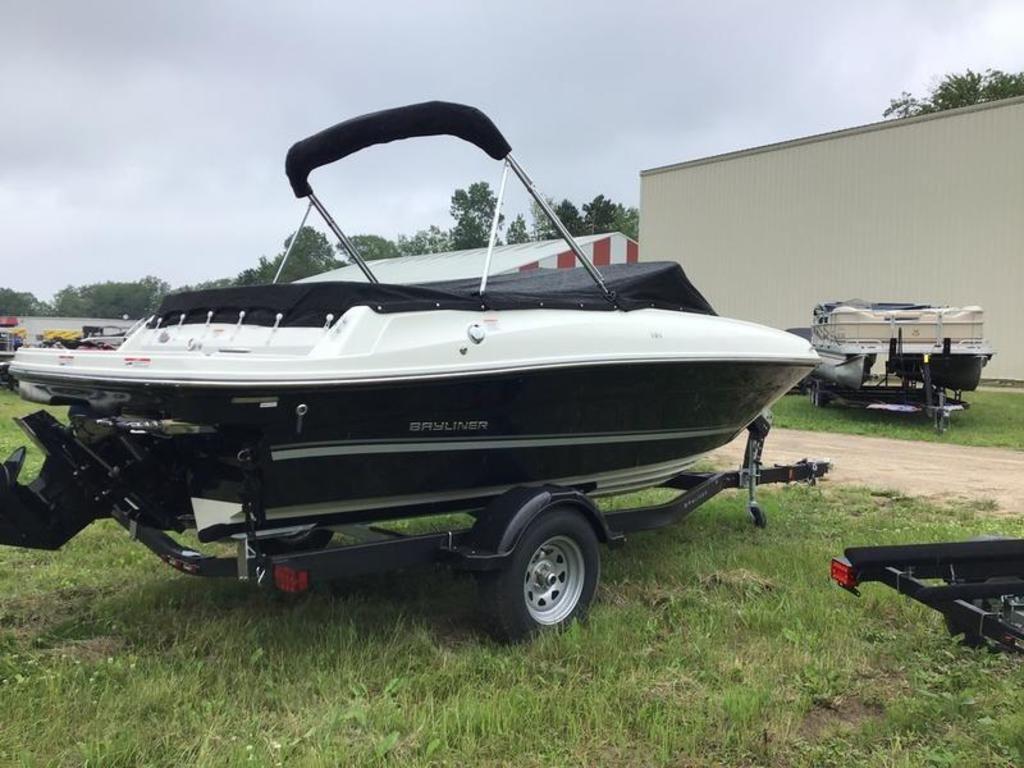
pixel 959 89
pixel 472 212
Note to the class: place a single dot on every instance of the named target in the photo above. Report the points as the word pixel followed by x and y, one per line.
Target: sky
pixel 144 138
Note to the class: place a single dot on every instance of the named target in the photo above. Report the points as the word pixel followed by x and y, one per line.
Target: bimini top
pixel 431 118
pixel 661 285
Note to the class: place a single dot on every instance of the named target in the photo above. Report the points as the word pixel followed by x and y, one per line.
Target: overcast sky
pixel 149 138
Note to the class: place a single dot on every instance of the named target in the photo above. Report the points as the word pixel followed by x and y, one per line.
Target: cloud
pixel 149 138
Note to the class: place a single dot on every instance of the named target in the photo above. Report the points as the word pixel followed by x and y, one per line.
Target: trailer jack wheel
pixel 757 515
pixel 548 582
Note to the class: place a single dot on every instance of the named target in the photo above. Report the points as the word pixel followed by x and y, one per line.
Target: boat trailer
pixel 978 585
pixel 77 487
pixel 895 392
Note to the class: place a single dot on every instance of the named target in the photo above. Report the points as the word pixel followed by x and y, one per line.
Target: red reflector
pixel 843 573
pixel 290 580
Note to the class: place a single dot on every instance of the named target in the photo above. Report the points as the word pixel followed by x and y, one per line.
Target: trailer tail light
pixel 289 579
pixel 843 573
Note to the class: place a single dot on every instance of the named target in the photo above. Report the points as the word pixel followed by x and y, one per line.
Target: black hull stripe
pixel 286 453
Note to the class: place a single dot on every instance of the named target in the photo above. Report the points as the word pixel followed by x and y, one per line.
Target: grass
pixel 993 419
pixel 711 643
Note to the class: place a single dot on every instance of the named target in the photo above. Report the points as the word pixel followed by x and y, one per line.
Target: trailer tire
pixel 314 538
pixel 549 580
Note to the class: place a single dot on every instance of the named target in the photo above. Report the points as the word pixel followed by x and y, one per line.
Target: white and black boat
pixel 285 408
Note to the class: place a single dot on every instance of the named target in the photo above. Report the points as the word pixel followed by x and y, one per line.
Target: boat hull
pixel 961 373
pixel 359 452
pixel 847 371
pixel 364 452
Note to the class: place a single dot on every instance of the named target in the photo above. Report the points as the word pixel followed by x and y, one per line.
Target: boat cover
pixel 662 285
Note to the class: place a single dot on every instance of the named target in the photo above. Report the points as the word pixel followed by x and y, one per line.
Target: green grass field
pixel 711 643
pixel 993 419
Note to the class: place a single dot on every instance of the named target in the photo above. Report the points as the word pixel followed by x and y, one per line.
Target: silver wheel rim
pixel 554 580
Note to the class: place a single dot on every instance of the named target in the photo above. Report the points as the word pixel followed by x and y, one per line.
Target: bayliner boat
pixel 851 335
pixel 280 409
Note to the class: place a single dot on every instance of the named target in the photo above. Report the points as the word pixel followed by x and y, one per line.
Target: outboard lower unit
pixel 91 471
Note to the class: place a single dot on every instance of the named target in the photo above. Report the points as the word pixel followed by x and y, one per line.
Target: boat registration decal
pixel 137 362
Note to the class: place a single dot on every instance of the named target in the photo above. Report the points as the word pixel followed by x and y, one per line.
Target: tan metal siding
pixel 929 210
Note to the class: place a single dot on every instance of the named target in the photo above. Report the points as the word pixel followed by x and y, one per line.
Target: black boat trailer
pixel 977 585
pixel 538 532
pixel 896 392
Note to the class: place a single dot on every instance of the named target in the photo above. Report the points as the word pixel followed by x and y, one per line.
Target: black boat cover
pixel 431 118
pixel 661 285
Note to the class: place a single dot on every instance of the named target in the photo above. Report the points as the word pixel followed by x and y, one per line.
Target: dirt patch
pixel 738 580
pixel 651 594
pixel 32 615
pixel 838 715
pixel 92 649
pixel 990 479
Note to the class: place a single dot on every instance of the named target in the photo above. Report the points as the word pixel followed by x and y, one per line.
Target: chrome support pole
pixel 291 243
pixel 494 228
pixel 342 238
pixel 553 218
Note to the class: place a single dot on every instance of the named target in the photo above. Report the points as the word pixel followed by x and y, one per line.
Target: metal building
pixel 927 209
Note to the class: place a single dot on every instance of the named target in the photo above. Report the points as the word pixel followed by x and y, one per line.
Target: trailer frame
pixel 980 589
pixel 377 549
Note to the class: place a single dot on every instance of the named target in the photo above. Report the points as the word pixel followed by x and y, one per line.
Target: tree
pixel 627 221
pixel 517 232
pixel 311 255
pixel 205 285
pixel 542 228
pixel 14 302
pixel 430 240
pixel 570 216
pixel 473 211
pixel 959 90
pixel 137 298
pixel 599 215
pixel 375 247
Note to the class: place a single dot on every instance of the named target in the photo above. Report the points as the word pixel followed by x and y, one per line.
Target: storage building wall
pixel 927 209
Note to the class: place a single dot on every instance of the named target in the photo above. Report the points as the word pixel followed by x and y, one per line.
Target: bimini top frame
pixel 430 118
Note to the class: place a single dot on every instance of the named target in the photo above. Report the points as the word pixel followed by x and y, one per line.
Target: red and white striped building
pixel 612 248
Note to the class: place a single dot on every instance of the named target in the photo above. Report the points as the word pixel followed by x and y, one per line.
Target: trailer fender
pixel 500 526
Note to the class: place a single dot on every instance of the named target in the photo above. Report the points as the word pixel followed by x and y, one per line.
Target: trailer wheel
pixel 757 515
pixel 314 538
pixel 819 399
pixel 548 582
